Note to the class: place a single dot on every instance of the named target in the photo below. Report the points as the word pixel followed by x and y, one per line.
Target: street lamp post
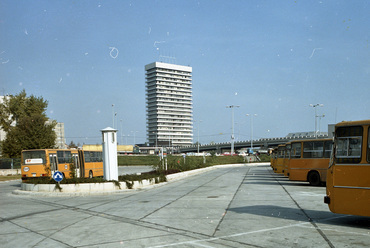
pixel 134 136
pixel 232 126
pixel 113 115
pixel 251 129
pixel 121 132
pixel 314 106
pixel 320 116
pixel 198 136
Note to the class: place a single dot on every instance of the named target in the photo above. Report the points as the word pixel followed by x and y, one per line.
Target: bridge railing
pixel 247 143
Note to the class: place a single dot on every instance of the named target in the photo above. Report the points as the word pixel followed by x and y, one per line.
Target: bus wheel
pixel 314 178
pixel 90 174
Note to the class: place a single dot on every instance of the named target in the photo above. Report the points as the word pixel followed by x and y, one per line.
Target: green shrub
pixel 138 160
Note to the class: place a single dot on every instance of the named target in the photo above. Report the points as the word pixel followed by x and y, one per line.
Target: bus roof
pixel 352 123
pixel 308 140
pixel 31 150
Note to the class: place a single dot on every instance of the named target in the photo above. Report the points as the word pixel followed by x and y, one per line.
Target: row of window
pixel 65 157
pixel 311 149
pixel 93 156
pixel 183 85
pixel 349 147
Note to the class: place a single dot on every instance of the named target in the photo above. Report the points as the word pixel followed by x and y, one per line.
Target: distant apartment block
pixel 169 105
pixel 60 142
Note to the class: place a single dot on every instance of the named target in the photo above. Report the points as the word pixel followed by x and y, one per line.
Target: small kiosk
pixel 110 162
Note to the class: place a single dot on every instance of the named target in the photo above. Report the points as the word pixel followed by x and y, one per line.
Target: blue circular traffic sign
pixel 58 176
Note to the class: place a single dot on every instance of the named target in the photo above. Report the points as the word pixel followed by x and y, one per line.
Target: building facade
pixel 169 104
pixel 60 142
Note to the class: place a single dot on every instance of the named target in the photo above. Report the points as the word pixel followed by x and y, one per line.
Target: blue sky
pixel 272 58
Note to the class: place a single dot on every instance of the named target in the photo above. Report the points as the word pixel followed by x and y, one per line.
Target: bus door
pixel 53 163
pixel 76 162
pixel 81 163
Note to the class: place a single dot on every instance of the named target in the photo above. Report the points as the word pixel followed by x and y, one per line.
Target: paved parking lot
pixel 236 206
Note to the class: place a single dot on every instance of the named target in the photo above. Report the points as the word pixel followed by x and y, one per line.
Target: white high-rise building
pixel 169 105
pixel 60 142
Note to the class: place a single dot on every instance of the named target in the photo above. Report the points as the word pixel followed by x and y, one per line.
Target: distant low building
pixel 121 149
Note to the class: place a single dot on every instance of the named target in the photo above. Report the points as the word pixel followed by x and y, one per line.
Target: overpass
pixel 262 144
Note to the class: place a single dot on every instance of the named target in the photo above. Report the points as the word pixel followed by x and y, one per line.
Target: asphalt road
pixel 246 206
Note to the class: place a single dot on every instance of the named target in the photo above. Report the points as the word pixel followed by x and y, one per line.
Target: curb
pixel 109 187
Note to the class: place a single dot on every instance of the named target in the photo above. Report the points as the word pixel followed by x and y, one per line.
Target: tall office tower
pixel 169 105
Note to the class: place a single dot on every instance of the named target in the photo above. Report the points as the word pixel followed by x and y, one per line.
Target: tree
pixel 26 124
pixel 73 145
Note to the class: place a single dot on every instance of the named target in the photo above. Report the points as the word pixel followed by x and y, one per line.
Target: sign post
pixel 58 176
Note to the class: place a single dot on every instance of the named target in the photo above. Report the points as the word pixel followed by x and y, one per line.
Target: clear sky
pixel 272 58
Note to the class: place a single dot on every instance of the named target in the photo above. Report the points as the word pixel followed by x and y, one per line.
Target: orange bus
pixel 44 162
pixel 280 159
pixel 273 158
pixel 286 159
pixel 309 160
pixel 348 179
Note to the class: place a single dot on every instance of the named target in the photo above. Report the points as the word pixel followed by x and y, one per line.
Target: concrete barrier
pixel 85 187
pixel 110 187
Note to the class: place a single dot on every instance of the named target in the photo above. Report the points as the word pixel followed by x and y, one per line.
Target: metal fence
pixel 10 163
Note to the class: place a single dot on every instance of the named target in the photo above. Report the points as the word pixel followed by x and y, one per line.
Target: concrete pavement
pixel 245 206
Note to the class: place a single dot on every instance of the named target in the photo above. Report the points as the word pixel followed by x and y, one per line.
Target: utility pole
pixel 314 106
pixel 232 126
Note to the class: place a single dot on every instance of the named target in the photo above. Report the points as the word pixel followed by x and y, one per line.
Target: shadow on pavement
pixel 324 217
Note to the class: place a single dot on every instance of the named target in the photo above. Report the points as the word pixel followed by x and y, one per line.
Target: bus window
pixel 87 156
pixel 313 149
pixel 296 150
pixel 64 157
pixel 328 146
pixel 349 145
pixel 34 157
pixel 287 151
